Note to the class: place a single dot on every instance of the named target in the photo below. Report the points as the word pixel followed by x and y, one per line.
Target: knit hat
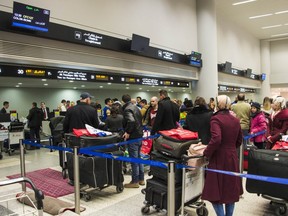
pixel 256 105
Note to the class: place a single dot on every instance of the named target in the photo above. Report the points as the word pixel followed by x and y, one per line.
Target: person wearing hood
pixel 258 123
pixel 279 118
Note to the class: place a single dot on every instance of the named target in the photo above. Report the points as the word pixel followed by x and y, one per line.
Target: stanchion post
pixel 76 180
pixel 22 163
pixel 241 156
pixel 171 189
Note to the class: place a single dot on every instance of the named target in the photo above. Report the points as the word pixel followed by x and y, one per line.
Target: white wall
pixel 168 23
pixel 21 99
pixel 237 46
pixel 279 62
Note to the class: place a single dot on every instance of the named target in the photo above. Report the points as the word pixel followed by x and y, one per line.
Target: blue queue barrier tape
pixel 32 143
pixel 254 135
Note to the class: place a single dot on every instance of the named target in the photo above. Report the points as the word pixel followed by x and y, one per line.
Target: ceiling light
pixel 259 16
pixel 243 2
pixel 71 81
pixel 165 86
pixel 148 90
pixel 100 86
pixel 277 35
pixel 45 84
pixel 281 12
pixel 286 24
pixel 74 87
pixel 127 84
pixel 17 86
pixel 109 83
pixel 19 83
pixel 140 88
pixel 127 87
pixel 44 80
pixel 82 86
pixel 274 26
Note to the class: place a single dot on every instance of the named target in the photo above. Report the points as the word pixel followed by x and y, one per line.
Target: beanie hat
pixel 256 105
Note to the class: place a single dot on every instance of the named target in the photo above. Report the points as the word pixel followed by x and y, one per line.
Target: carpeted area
pixel 49 181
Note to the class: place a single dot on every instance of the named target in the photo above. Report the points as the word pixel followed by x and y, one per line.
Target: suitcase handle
pixel 185 157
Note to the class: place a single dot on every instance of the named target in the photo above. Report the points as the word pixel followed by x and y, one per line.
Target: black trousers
pixel 35 134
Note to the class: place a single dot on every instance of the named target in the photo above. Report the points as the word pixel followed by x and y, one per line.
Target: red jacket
pixel 226 136
pixel 279 125
pixel 258 123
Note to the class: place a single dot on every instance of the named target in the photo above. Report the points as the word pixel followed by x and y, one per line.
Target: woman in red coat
pixel 279 117
pixel 226 136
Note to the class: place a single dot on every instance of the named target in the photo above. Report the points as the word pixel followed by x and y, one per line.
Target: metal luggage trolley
pixel 15 133
pixel 6 201
pixel 192 186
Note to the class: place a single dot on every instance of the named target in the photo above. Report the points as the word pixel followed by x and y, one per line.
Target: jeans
pixel 137 169
pixel 219 209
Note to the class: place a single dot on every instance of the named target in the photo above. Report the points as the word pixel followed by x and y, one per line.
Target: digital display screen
pixel 30 17
pixel 35 72
pixel 101 77
pixel 72 75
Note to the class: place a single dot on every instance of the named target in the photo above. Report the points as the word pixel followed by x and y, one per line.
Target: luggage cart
pixel 15 133
pixel 7 200
pixel 192 183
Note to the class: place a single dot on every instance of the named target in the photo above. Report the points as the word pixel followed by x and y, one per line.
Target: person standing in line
pixel 226 137
pixel 45 111
pixel 5 107
pixel 151 113
pixel 107 108
pixel 258 123
pixel 81 114
pixel 62 106
pixel 132 130
pixel 168 114
pixel 242 111
pixel 34 122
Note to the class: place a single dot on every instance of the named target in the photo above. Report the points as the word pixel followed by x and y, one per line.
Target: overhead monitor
pixel 30 17
pixel 249 72
pixel 228 67
pixel 139 43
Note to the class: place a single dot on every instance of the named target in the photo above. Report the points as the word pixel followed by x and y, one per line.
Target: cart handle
pixel 185 157
pixel 39 196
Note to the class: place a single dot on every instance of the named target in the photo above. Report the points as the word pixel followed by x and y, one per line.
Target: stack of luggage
pixel 96 172
pixel 166 148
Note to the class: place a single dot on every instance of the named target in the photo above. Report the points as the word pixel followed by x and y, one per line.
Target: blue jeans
pixel 137 169
pixel 219 209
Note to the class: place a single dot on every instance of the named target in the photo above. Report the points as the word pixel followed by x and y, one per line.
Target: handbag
pixel 196 150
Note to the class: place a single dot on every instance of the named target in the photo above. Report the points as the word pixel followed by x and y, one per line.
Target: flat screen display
pixel 30 17
pixel 139 43
pixel 228 67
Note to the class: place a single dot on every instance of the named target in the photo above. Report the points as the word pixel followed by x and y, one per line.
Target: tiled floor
pixel 108 201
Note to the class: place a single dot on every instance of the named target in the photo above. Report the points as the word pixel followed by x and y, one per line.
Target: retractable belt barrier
pixel 91 151
pixel 254 135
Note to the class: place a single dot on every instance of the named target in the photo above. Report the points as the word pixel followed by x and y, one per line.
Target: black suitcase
pixel 115 171
pixel 156 194
pixel 161 173
pixel 268 163
pixel 171 147
pixel 85 141
pixel 93 170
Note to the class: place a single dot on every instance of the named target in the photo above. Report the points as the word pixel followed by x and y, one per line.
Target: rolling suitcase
pixel 161 173
pixel 268 163
pixel 247 149
pixel 86 141
pixel 173 147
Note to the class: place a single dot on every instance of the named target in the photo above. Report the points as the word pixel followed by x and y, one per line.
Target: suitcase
pixel 161 173
pixel 281 146
pixel 85 141
pixel 172 147
pixel 247 149
pixel 268 163
pixel 93 170
pixel 156 194
pixel 115 171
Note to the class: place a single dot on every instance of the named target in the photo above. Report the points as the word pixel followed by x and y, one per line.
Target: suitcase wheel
pixel 86 197
pixel 203 211
pixel 120 188
pixel 281 210
pixel 145 209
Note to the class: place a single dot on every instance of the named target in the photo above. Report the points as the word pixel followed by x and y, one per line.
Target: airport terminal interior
pixel 55 50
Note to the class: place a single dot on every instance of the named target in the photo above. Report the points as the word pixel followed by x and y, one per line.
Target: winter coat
pixel 35 117
pixel 167 116
pixel 258 123
pixel 198 120
pixel 226 136
pixel 279 125
pixel 132 121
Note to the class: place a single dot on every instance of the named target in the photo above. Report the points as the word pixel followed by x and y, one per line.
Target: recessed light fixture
pixel 17 86
pixel 243 2
pixel 140 88
pixel 44 80
pixel 148 90
pixel 19 83
pixel 127 84
pixel 286 24
pixel 74 87
pixel 45 84
pixel 127 87
pixel 71 81
pixel 100 86
pixel 109 83
pixel 259 16
pixel 165 86
pixel 281 12
pixel 82 86
pixel 278 35
pixel 273 26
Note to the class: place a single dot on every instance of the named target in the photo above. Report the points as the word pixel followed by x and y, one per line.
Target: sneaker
pixel 142 182
pixel 131 185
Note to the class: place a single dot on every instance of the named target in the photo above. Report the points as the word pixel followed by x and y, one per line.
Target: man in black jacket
pixel 34 122
pixel 133 130
pixel 167 115
pixel 81 114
